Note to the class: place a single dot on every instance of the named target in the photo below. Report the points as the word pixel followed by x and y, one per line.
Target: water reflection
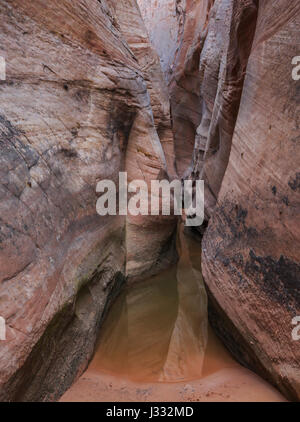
pixel 157 330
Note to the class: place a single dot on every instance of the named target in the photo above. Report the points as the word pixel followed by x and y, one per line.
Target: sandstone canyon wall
pixel 251 258
pixel 145 237
pixel 75 109
pixel 164 20
pixel 184 23
pixel 235 111
pixel 85 98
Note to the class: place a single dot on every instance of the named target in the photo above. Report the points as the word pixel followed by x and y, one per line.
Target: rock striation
pixel 79 104
pixel 86 96
pixel 251 260
pixel 235 111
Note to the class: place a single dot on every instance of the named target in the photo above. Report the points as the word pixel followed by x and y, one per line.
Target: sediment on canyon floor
pixel 86 96
pixel 156 345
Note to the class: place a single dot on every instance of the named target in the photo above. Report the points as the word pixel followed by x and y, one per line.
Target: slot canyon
pixel 145 307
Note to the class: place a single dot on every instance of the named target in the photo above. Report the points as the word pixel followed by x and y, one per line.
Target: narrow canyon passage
pixel 156 344
pixel 157 329
pixel 102 301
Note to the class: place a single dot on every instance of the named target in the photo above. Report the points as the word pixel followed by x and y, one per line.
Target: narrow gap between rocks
pixel 156 343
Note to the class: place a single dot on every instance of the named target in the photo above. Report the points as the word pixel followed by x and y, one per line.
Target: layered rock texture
pixel 177 29
pixel 83 99
pixel 251 258
pixel 146 237
pixel 235 109
pixel 164 20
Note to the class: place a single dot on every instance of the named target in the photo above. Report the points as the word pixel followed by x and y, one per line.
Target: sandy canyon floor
pixel 156 345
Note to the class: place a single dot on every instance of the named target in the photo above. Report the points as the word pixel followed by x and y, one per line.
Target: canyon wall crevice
pixel 235 111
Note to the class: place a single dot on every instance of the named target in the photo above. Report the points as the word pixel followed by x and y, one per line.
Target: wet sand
pixel 226 385
pixel 156 345
pixel 223 380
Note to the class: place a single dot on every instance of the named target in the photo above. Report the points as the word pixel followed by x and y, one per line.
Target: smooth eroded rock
pixel 74 106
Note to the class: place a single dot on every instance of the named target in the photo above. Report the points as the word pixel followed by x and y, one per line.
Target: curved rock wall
pixel 147 239
pixel 74 98
pixel 223 62
pixel 164 20
pixel 181 24
pixel 251 260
